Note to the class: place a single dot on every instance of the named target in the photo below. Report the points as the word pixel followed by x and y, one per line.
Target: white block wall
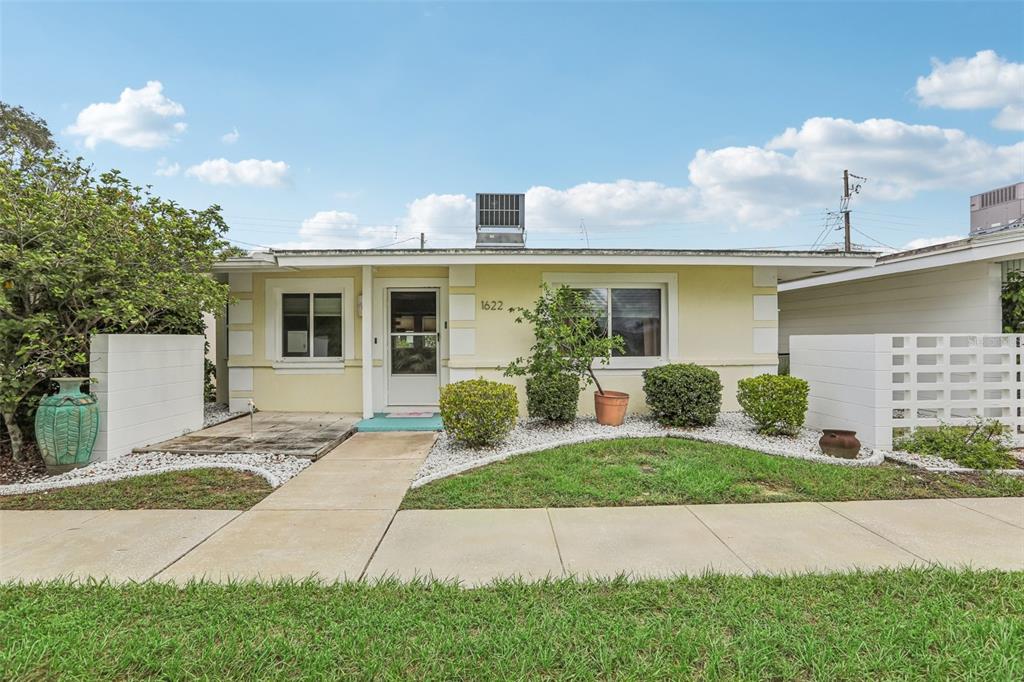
pixel 149 386
pixel 881 385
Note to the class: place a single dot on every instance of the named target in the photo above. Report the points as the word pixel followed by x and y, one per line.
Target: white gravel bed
pixel 447 458
pixel 216 413
pixel 940 464
pixel 275 469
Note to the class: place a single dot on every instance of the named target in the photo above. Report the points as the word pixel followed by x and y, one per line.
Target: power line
pixel 880 243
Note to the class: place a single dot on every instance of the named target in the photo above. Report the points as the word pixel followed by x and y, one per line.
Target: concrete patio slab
pixel 472 545
pixel 382 446
pixel 267 545
pixel 21 530
pixel 799 537
pixel 642 542
pixel 1008 509
pixel 340 484
pixel 301 434
pixel 941 531
pixel 119 545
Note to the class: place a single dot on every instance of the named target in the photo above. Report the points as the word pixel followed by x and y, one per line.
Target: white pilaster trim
pixel 366 310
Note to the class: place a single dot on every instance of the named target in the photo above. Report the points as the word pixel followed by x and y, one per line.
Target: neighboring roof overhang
pixel 993 247
pixel 790 264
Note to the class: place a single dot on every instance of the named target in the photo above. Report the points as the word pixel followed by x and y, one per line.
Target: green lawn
pixel 911 624
pixel 192 489
pixel 675 471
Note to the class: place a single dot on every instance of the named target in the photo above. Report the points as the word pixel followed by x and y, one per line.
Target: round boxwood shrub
pixel 553 396
pixel 683 394
pixel 479 413
pixel 776 404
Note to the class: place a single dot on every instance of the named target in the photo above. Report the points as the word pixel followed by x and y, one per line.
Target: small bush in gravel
pixel 479 413
pixel 983 445
pixel 683 394
pixel 776 404
pixel 553 396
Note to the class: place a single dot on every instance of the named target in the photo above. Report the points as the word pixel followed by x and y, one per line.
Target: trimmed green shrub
pixel 479 413
pixel 776 404
pixel 983 445
pixel 553 396
pixel 683 394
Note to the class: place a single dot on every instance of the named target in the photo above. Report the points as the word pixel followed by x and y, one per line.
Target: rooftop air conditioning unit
pixel 997 209
pixel 500 221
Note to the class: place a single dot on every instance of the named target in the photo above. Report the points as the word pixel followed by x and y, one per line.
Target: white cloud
pixel 802 168
pixel 230 137
pixel 623 203
pixel 252 172
pixel 166 169
pixel 339 230
pixel 139 119
pixel 984 81
pixel 437 214
pixel 924 242
pixel 759 187
pixel 1011 117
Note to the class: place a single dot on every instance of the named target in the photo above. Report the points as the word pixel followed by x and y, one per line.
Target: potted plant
pixel 568 339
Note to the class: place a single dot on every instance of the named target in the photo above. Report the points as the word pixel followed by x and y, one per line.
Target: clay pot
pixel 839 443
pixel 610 408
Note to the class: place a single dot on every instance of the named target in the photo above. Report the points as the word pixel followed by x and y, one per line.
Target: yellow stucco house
pixel 372 331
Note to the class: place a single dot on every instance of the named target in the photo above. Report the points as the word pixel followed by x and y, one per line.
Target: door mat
pixel 408 415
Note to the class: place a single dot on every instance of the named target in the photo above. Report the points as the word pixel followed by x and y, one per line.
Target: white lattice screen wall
pixel 882 385
pixel 954 379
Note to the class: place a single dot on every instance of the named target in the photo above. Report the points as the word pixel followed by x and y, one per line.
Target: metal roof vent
pixel 500 221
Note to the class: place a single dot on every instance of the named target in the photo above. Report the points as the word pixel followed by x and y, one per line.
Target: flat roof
pixel 994 247
pixel 790 264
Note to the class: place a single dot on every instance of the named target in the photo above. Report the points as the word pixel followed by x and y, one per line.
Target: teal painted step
pixel 381 422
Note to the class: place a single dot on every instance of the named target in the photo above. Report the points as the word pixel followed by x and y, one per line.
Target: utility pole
pixel 847 243
pixel 423 239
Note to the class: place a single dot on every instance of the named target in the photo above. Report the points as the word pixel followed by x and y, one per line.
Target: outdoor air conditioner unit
pixel 997 209
pixel 500 221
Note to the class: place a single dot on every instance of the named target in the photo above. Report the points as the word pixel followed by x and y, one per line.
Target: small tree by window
pixel 568 337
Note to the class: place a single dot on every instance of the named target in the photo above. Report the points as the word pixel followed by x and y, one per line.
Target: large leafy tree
pixel 82 253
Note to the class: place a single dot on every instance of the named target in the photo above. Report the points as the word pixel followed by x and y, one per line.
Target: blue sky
pixel 655 124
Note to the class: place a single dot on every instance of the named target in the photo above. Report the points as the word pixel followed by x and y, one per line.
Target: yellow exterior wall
pixel 714 314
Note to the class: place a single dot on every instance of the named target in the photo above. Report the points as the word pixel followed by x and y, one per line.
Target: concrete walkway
pixel 325 522
pixel 337 520
pixel 300 434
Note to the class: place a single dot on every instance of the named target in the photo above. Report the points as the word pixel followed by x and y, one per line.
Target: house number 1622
pixel 492 305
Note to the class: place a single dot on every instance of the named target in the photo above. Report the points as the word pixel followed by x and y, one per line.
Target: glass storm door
pixel 413 376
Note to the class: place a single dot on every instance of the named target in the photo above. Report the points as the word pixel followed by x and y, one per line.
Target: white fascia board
pixel 1006 248
pixel 777 260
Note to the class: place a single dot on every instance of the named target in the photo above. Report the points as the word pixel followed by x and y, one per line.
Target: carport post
pixel 366 311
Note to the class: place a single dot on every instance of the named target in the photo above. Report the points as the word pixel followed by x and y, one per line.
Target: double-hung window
pixel 311 325
pixel 632 312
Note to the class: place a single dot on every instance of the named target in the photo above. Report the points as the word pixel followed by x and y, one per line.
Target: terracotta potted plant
pixel 567 341
pixel 839 443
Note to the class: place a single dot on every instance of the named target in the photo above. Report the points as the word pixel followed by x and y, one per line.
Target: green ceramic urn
pixel 66 426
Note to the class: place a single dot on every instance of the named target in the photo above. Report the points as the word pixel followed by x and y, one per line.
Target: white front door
pixel 413 365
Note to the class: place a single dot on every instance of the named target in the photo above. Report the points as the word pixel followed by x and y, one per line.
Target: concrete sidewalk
pixel 337 520
pixel 477 546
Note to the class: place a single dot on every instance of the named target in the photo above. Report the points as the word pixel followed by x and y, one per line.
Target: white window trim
pixel 669 284
pixel 276 287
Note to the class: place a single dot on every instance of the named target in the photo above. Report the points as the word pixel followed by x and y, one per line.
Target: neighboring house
pixel 947 288
pixel 377 330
